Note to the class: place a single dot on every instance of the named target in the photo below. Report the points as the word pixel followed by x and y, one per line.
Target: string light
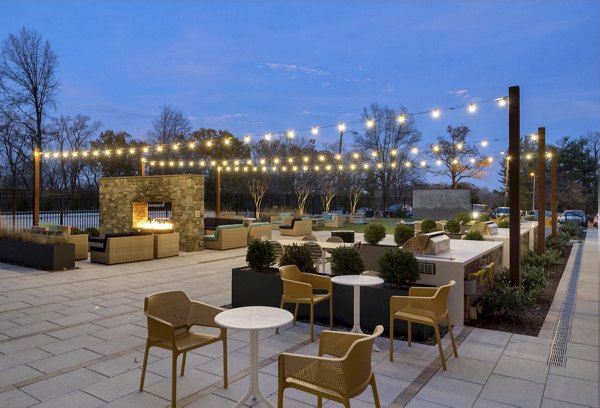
pixel 370 123
pixel 291 134
pixel 247 139
pixel 502 101
pixel 315 130
pixel 267 137
pixel 484 143
pixel 472 108
pixel 401 119
pixel 435 113
pixel 423 163
pixel 459 146
pixel 414 150
pixel 436 148
pixel 342 127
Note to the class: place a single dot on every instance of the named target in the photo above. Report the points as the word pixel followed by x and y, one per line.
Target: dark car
pixel 573 215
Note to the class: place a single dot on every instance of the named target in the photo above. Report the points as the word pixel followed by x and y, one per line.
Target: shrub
pixel 504 223
pixel 544 261
pixel 398 267
pixel 374 233
pixel 463 218
pixel 92 231
pixel 346 261
pixel 298 255
pixel 571 228
pixel 474 236
pixel 533 281
pixel 452 227
pixel 505 301
pixel 403 233
pixel 557 243
pixel 260 255
pixel 483 217
pixel 428 226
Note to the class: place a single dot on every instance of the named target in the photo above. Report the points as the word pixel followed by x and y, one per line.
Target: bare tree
pixel 388 143
pixel 258 186
pixel 328 184
pixel 28 81
pixel 304 186
pixel 455 158
pixel 170 126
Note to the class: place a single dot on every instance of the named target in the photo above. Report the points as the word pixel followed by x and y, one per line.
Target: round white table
pixel 253 319
pixel 357 281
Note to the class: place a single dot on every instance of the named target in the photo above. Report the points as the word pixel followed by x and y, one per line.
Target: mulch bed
pixel 531 320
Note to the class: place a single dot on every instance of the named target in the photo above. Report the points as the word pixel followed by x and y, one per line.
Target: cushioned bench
pixel 335 222
pixel 227 237
pixel 257 229
pixel 297 228
pixel 121 247
pixel 281 219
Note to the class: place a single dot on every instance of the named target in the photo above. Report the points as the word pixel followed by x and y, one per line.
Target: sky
pixel 252 67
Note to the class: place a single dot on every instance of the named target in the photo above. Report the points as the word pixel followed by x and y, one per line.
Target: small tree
pixel 457 159
pixel 258 186
pixel 328 184
pixel 304 186
pixel 403 233
pixel 374 233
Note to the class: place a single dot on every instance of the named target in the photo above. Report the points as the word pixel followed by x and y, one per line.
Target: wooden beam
pixel 541 190
pixel 36 185
pixel 142 167
pixel 554 191
pixel 514 152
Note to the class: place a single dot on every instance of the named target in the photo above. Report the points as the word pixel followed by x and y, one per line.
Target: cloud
pixel 225 117
pixel 325 113
pixel 461 93
pixel 296 68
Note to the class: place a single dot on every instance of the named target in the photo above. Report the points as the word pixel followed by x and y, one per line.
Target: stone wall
pixel 440 204
pixel 184 191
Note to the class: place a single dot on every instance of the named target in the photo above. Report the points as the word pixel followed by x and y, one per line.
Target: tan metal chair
pixel 277 249
pixel 170 317
pixel 425 306
pixel 306 288
pixel 338 378
pixel 317 254
pixel 334 239
pixel 309 238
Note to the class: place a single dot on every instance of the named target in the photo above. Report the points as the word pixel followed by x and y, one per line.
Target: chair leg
pixel 440 347
pixel 331 313
pixel 409 333
pixel 319 402
pixel 174 381
pixel 391 338
pixel 183 363
pixel 144 365
pixel 312 320
pixel 375 394
pixel 346 402
pixel 451 336
pixel 281 307
pixel 296 312
pixel 225 380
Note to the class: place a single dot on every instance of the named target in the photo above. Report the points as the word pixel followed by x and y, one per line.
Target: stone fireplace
pixel 124 203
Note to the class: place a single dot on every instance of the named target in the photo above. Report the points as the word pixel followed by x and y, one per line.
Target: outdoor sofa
pixel 281 219
pixel 297 227
pixel 227 237
pixel 336 221
pixel 121 247
pixel 256 230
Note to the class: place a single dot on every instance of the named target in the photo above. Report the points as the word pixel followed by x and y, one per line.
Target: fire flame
pixel 156 224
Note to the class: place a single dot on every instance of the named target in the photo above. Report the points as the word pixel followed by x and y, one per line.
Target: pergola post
pixel 514 152
pixel 36 185
pixel 142 167
pixel 554 191
pixel 541 190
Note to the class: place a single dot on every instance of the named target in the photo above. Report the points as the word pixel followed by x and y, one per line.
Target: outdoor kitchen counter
pixel 451 265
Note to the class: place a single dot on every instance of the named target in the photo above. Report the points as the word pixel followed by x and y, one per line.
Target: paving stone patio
pixel 75 339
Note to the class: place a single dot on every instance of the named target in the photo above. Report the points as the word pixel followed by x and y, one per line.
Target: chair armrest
pixel 337 344
pixel 419 291
pixel 296 289
pixel 203 314
pixel 322 371
pixel 398 303
pixel 318 282
pixel 160 329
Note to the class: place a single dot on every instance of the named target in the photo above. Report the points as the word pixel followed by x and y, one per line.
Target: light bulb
pixel 342 127
pixel 436 113
pixel 401 118
pixel 472 108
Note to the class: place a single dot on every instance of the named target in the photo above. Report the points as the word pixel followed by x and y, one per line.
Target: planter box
pixel 370 255
pixel 454 236
pixel 53 257
pixel 252 288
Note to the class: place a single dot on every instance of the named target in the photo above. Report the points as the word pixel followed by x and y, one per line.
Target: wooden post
pixel 514 152
pixel 36 185
pixel 142 167
pixel 554 191
pixel 218 206
pixel 541 190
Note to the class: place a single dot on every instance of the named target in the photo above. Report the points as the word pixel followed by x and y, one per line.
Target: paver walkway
pixel 75 339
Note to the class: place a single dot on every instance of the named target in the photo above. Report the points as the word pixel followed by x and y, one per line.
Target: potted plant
pixel 346 261
pixel 260 255
pixel 371 251
pixel 403 233
pixel 48 252
pixel 298 255
pixel 452 228
pixel 374 233
pixel 428 226
pixel 398 267
pixel 473 236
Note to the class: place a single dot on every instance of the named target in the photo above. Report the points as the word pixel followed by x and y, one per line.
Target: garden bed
pixel 531 320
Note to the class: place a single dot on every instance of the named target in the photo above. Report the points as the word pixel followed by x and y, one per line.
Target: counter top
pixel 462 251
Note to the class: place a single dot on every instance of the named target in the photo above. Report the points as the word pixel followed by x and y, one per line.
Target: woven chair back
pixel 173 307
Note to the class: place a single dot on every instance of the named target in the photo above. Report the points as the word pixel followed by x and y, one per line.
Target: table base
pixel 253 391
pixel 356 327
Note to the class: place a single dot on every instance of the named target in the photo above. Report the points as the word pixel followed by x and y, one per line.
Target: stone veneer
pixel 184 191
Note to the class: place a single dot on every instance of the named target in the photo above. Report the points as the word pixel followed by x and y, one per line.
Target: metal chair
pixel 338 378
pixel 334 239
pixel 170 317
pixel 299 287
pixel 277 249
pixel 425 306
pixel 309 238
pixel 317 254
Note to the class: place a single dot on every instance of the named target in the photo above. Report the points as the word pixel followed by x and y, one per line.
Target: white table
pixel 253 319
pixel 357 281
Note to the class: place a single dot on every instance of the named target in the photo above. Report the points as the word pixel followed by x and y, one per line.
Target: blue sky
pixel 253 67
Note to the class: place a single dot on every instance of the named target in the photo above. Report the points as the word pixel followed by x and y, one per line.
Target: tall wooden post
pixel 143 166
pixel 36 185
pixel 541 190
pixel 554 190
pixel 218 206
pixel 514 152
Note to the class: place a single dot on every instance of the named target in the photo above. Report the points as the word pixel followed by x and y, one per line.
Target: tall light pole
pixel 342 129
pixel 532 174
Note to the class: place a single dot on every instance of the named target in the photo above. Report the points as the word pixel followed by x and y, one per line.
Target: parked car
pixel 394 210
pixel 573 215
pixel 365 211
pixel 533 215
pixel 501 212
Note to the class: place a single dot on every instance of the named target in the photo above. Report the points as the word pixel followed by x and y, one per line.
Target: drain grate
pixel 558 350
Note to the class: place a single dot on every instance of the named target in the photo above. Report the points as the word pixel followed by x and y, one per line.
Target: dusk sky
pixel 253 67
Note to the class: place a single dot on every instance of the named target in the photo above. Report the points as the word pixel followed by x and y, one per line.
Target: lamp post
pixel 342 129
pixel 532 174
